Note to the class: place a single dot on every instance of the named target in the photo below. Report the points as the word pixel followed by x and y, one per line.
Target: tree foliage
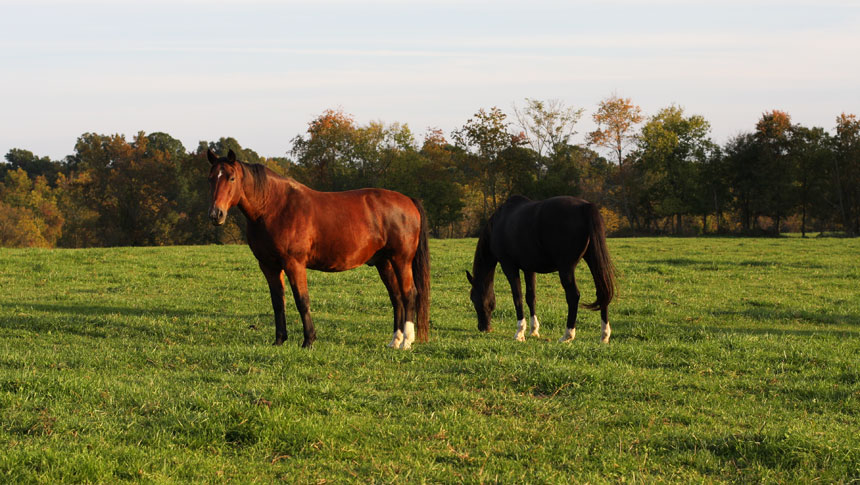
pixel 671 156
pixel 616 120
pixel 668 177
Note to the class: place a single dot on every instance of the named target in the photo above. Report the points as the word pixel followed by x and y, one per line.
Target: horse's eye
pixel 232 179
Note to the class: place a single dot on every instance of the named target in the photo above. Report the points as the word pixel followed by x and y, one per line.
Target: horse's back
pixel 353 227
pixel 540 235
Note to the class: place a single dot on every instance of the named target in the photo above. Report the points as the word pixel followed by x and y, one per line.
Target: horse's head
pixel 225 185
pixel 484 299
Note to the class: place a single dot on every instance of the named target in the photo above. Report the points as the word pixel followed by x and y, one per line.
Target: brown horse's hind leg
pixel 297 275
pixel 389 278
pixel 403 270
pixel 275 278
pixel 571 293
pixel 605 329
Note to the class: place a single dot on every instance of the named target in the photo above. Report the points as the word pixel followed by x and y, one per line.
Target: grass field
pixel 731 360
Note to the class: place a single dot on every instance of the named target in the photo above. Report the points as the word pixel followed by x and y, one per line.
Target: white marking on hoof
pixel 535 326
pixel 520 336
pixel 408 335
pixel 605 332
pixel 569 335
pixel 396 340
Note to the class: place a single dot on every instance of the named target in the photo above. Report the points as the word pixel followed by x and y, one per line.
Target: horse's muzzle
pixel 217 216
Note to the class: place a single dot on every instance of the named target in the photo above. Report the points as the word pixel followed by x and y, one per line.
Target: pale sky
pixel 260 70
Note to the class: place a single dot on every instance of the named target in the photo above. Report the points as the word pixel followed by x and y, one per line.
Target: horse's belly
pixel 540 268
pixel 333 259
pixel 536 264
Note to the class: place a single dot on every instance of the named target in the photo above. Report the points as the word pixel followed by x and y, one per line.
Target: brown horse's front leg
pixel 275 278
pixel 297 274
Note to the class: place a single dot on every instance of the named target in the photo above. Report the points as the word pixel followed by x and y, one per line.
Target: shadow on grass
pixel 773 450
pixel 723 264
pixel 100 321
pixel 768 312
pixel 780 331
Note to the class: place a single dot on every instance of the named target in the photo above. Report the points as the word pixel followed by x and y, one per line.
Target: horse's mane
pixel 483 251
pixel 260 174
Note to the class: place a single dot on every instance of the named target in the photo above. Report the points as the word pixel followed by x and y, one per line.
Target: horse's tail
pixel 597 257
pixel 421 278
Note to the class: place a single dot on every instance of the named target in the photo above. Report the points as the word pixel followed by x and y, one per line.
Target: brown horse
pixel 292 227
pixel 542 237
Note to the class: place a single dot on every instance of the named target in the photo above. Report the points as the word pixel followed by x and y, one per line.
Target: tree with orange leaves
pixel 778 195
pixel 616 120
pixel 327 150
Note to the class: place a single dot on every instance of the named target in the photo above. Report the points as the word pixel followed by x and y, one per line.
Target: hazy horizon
pixel 259 71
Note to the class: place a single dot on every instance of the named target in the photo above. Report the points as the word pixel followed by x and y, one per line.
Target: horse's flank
pixel 287 217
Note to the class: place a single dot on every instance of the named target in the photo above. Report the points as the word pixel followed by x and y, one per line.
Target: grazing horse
pixel 542 237
pixel 292 227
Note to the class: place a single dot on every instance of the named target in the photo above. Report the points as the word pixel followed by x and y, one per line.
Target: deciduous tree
pixel 547 126
pixel 616 120
pixel 846 173
pixel 326 152
pixel 483 138
pixel 671 153
pixel 773 135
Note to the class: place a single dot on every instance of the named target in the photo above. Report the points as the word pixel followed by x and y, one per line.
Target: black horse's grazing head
pixel 484 299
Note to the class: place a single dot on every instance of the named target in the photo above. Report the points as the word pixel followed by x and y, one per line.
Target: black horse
pixel 542 237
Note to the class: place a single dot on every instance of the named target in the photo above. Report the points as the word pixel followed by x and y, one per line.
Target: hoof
pixel 535 326
pixel 408 336
pixel 568 336
pixel 396 340
pixel 279 341
pixel 520 336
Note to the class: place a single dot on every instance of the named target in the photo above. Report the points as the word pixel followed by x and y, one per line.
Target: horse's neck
pixel 270 197
pixel 485 262
pixel 256 196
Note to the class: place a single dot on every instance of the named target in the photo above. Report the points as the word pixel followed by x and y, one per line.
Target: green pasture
pixel 731 360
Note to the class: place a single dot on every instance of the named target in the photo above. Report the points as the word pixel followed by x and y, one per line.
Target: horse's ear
pixel 469 277
pixel 213 159
pixel 231 157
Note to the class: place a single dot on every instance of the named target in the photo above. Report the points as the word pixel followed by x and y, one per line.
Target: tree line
pixel 661 174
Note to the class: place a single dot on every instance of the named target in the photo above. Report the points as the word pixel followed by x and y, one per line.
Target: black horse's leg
pixel 297 275
pixel 513 275
pixel 531 283
pixel 275 278
pixel 386 272
pixel 571 292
